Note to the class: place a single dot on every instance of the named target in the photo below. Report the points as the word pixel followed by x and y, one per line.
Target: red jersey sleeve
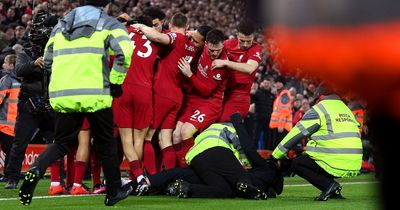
pixel 172 37
pixel 255 53
pixel 205 88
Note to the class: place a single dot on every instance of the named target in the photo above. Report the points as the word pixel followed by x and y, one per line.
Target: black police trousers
pixel 26 126
pixel 67 127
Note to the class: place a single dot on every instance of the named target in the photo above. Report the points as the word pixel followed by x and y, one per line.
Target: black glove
pixel 115 90
pixel 236 118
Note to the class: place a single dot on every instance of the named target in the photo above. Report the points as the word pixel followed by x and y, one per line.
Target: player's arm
pixel 153 35
pixel 248 68
pixel 204 89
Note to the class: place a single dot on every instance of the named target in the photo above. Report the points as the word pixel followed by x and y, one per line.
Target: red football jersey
pixel 240 82
pixel 210 84
pixel 168 78
pixel 144 55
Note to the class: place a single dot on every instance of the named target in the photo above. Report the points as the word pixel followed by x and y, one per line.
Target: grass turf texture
pixel 361 192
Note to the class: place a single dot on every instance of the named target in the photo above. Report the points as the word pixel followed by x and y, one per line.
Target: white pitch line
pixel 54 196
pixel 67 196
pixel 344 183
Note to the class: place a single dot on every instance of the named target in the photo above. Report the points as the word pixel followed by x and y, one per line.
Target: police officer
pixel 82 85
pixel 334 148
pixel 34 112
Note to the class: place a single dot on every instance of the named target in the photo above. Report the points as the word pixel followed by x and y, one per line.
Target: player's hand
pixel 280 129
pixel 218 63
pixel 125 16
pixel 184 67
pixel 137 26
pixel 189 33
pixel 39 62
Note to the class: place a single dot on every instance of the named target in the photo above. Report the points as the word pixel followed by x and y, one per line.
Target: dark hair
pixel 12 58
pixel 203 30
pixel 97 3
pixel 246 27
pixel 154 13
pixel 215 36
pixel 179 20
pixel 143 19
pixel 281 79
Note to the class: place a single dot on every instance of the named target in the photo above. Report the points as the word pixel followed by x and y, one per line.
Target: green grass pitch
pixel 361 192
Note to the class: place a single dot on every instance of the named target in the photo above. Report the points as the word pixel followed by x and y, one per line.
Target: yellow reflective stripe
pixel 122 38
pixel 74 92
pixel 303 130
pixel 8 100
pixel 282 148
pixel 327 117
pixel 69 51
pixel 335 150
pixel 337 136
pixel 15 85
pixel 119 68
pixel 6 122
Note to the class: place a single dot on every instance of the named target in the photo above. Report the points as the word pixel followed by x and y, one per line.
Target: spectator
pixel 9 90
pixel 263 100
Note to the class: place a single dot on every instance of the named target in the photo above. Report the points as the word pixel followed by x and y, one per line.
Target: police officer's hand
pixel 115 90
pixel 39 62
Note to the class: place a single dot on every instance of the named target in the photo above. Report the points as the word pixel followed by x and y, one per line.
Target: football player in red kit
pixel 204 103
pixel 135 111
pixel 244 56
pixel 167 83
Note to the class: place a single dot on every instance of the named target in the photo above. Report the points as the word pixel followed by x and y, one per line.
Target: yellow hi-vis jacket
pixel 218 135
pixel 334 138
pixel 77 54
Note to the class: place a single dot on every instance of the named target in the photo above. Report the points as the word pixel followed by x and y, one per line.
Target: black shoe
pixel 11 184
pixel 271 193
pixel 337 195
pixel 278 184
pixel 28 186
pixel 251 191
pixel 3 178
pixel 182 188
pixel 142 187
pixel 171 190
pixel 122 194
pixel 333 189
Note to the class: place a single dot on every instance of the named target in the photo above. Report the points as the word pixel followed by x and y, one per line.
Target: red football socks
pixel 149 157
pixel 169 157
pixel 80 169
pixel 55 171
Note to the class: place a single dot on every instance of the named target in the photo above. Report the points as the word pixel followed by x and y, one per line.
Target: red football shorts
pixel 200 115
pixel 235 103
pixel 135 107
pixel 85 125
pixel 165 112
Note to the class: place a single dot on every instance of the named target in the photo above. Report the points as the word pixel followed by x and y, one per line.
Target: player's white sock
pixel 54 183
pixel 77 185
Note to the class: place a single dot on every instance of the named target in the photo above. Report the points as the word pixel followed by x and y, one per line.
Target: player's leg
pixel 149 155
pixel 124 120
pixel 187 132
pixel 81 159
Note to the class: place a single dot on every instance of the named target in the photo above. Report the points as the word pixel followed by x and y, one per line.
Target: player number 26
pixel 197 116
